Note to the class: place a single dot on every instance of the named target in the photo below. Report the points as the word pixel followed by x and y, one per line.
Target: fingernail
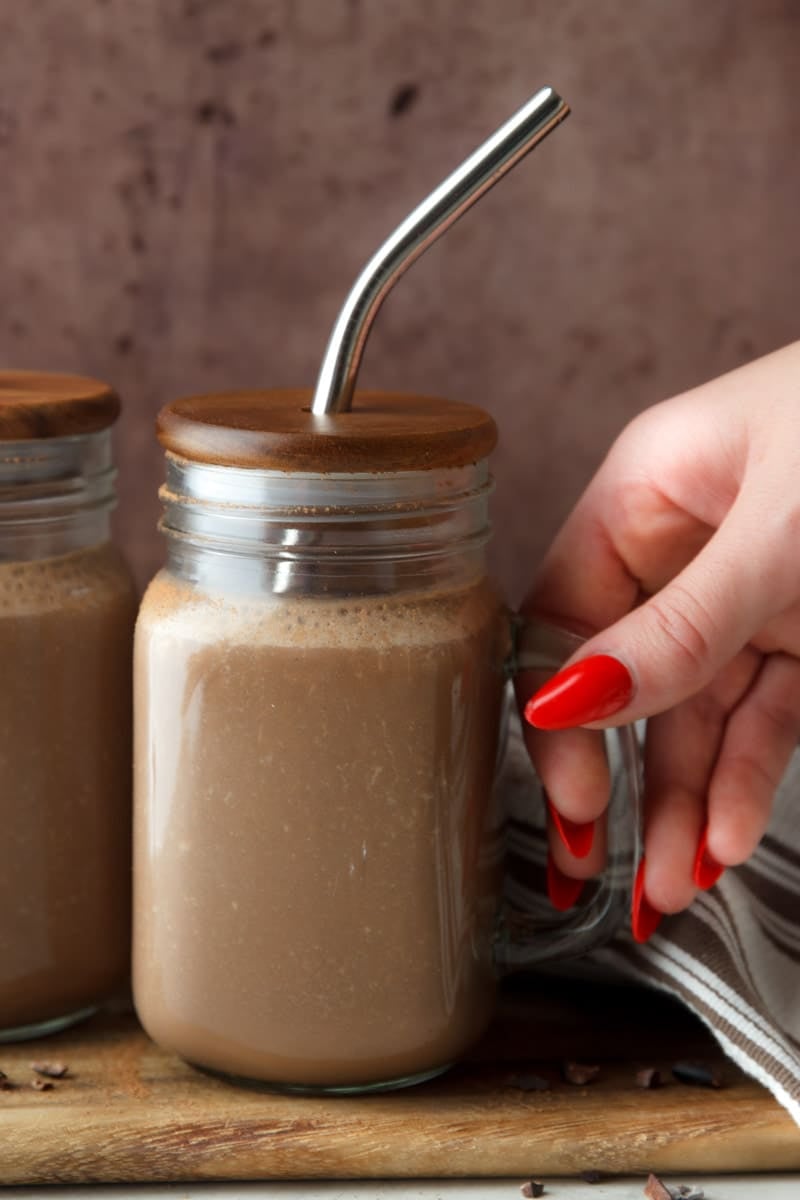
pixel 577 836
pixel 562 889
pixel 644 917
pixel 706 868
pixel 589 690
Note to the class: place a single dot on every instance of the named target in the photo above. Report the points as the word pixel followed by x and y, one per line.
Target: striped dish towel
pixel 733 957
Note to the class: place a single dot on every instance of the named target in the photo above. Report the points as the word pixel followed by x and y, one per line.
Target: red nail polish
pixel 706 868
pixel 562 890
pixel 644 917
pixel 589 690
pixel 577 836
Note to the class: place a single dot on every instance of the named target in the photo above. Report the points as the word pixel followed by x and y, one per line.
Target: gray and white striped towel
pixel 733 957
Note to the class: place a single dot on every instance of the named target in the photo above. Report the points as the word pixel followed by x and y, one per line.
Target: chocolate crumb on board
pixel 649 1078
pixel 534 1187
pixel 656 1189
pixel 592 1176
pixel 697 1074
pixel 50 1070
pixel 5 1083
pixel 41 1085
pixel 580 1073
pixel 530 1083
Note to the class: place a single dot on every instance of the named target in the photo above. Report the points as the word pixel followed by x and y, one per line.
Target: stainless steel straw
pixel 489 163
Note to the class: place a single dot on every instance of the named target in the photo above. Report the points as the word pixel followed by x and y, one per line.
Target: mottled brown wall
pixel 187 188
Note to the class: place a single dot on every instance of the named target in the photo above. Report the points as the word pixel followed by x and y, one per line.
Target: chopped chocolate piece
pixel 656 1190
pixel 5 1083
pixel 697 1074
pixel 592 1176
pixel 42 1085
pixel 534 1187
pixel 580 1073
pixel 649 1077
pixel 530 1083
pixel 54 1070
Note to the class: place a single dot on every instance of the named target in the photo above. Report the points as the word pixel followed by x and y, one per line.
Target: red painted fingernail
pixel 644 917
pixel 562 889
pixel 589 690
pixel 577 836
pixel 706 868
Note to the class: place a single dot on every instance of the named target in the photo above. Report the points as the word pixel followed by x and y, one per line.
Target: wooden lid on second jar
pixel 39 404
pixel 276 430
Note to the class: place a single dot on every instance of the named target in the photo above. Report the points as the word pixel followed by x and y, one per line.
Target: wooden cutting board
pixel 128 1112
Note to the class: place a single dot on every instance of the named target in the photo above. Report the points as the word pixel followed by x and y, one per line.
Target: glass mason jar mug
pixel 320 673
pixel 67 610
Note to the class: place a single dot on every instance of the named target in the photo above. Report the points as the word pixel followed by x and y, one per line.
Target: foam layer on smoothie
pixel 69 583
pixel 432 617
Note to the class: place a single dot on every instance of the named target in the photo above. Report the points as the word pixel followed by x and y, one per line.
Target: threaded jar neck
pixel 299 531
pixel 56 494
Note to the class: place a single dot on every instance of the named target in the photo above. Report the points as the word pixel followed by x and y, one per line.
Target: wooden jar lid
pixel 276 430
pixel 37 404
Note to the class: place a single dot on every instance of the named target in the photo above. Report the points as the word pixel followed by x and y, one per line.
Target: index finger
pixel 583 583
pixel 624 540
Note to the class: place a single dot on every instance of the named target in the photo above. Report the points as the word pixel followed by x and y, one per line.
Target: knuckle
pixel 782 721
pixel 683 622
pixel 631 507
pixel 752 777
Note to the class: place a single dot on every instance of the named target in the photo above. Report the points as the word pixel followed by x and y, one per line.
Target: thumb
pixel 673 645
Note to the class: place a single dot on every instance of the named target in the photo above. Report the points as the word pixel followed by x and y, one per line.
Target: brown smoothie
pixel 65 652
pixel 315 865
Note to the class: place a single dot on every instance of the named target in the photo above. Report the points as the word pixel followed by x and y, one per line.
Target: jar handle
pixel 525 938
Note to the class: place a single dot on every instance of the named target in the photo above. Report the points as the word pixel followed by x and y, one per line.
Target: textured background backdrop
pixel 188 188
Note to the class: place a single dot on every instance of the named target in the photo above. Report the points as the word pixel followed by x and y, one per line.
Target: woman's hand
pixel 681 564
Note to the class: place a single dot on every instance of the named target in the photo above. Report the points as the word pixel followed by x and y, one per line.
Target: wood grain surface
pixel 40 404
pixel 128 1112
pixel 275 429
